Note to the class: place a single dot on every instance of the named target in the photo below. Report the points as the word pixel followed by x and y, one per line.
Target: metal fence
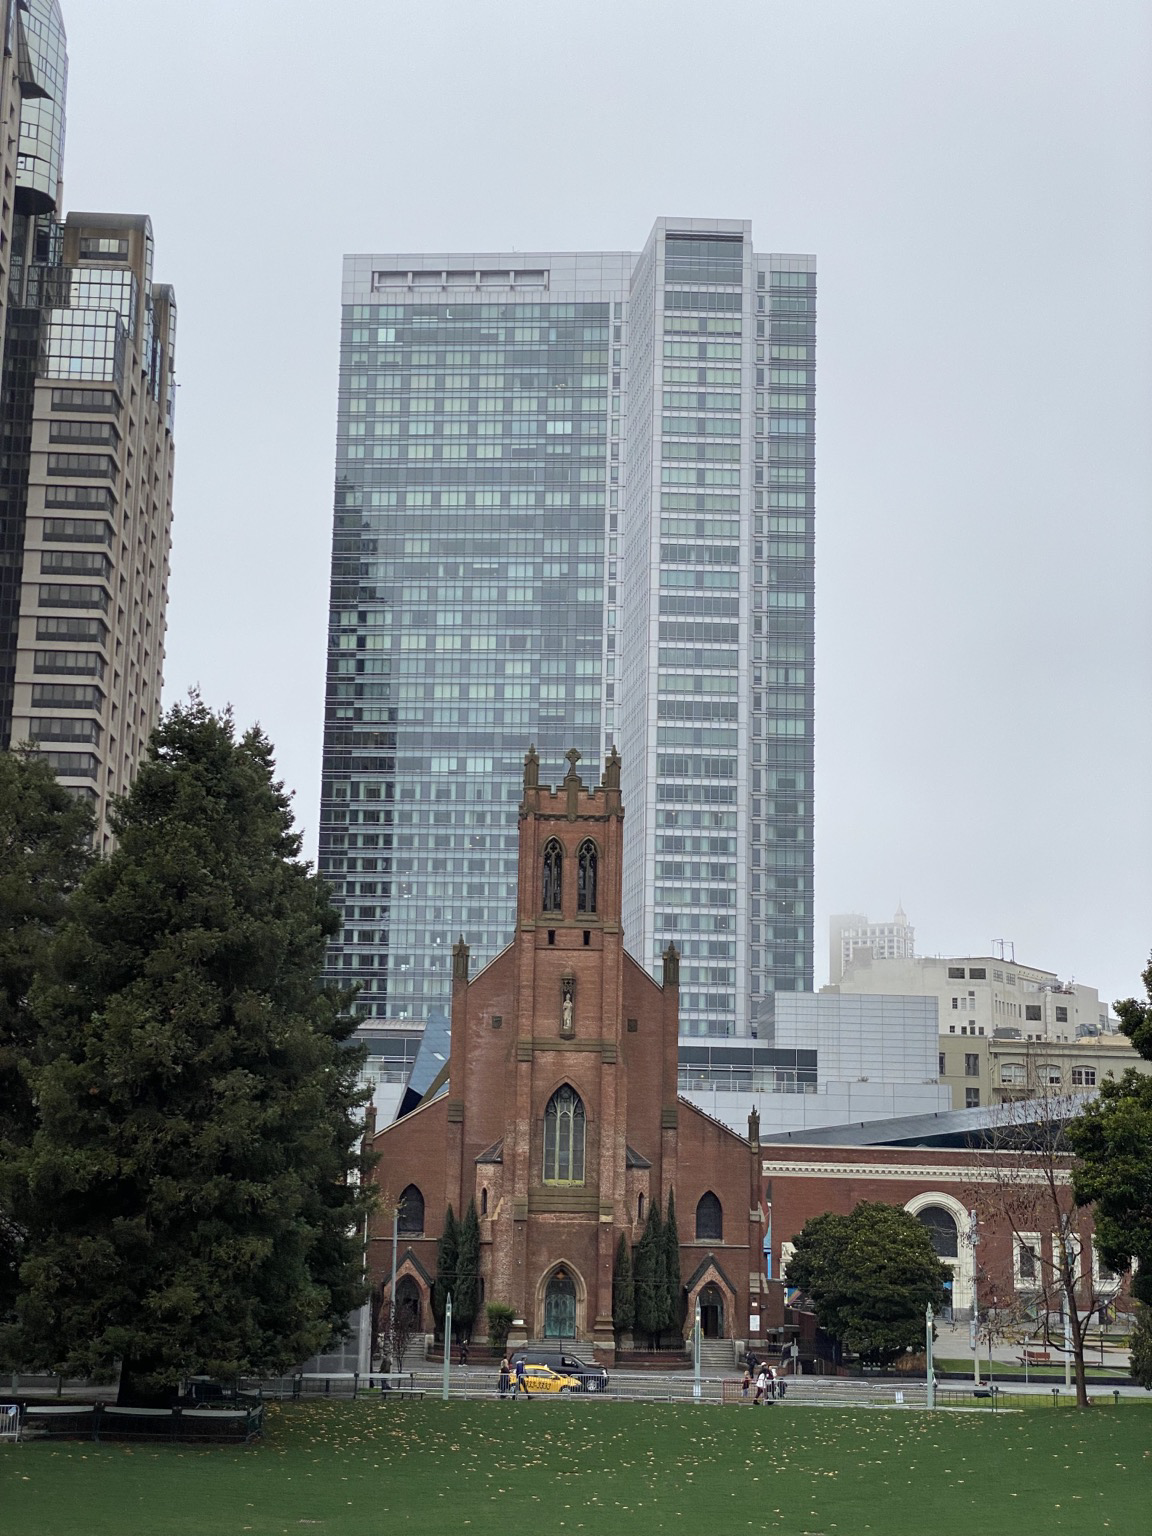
pixel 106 1422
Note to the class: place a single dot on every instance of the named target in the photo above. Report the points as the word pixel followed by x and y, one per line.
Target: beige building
pixel 1006 1030
pixel 993 1069
pixel 86 472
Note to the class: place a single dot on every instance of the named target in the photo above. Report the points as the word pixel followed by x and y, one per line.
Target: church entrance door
pixel 560 1307
pixel 712 1312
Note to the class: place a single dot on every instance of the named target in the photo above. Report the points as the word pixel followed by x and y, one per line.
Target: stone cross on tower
pixel 573 758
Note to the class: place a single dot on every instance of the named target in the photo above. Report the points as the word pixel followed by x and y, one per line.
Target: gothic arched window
pixel 709 1219
pixel 553 876
pixel 564 1138
pixel 586 877
pixel 411 1220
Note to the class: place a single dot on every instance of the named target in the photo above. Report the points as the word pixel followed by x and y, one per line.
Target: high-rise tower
pixel 86 464
pixel 574 502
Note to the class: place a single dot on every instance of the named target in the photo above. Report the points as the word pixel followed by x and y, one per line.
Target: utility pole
pixel 396 1364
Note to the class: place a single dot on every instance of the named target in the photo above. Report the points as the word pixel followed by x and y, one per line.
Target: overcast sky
pixel 973 176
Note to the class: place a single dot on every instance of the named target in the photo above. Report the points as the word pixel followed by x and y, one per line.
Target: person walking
pixel 505 1374
pixel 463 1351
pixel 746 1384
pixel 761 1386
pixel 772 1380
pixel 521 1384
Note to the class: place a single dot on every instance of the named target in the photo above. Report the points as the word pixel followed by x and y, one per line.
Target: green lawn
pixel 368 1469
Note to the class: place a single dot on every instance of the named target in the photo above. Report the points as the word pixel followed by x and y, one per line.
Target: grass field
pixel 366 1469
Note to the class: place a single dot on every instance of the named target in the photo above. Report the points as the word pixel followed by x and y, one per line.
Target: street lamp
pixel 447 1346
pixel 929 1374
pixel 973 1240
pixel 696 1351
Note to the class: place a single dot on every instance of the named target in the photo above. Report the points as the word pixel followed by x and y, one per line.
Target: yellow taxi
pixel 541 1378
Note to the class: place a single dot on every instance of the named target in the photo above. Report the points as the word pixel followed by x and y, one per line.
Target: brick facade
pixel 566 1007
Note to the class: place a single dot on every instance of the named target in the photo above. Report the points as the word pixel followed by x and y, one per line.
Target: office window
pixel 1084 1077
pixel 971 1098
pixel 971 1064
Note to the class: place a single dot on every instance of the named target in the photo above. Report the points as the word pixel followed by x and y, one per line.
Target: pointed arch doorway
pixel 712 1312
pixel 560 1307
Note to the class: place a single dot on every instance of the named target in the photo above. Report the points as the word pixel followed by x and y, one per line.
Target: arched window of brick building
pixel 709 1219
pixel 553 872
pixel 411 1203
pixel 941 1226
pixel 564 1138
pixel 586 877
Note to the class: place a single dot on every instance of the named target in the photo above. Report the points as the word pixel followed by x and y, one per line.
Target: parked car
pixel 541 1378
pixel 589 1378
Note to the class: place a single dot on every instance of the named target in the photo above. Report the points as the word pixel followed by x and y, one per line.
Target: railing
pixel 107 1422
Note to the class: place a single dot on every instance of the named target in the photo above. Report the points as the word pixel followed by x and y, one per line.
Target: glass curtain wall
pixel 467 615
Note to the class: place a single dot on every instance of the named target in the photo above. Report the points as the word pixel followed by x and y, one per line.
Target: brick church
pixel 558 1111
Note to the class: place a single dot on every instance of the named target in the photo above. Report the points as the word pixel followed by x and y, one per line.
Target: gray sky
pixel 974 178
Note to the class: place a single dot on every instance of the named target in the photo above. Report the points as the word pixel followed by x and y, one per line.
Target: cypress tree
pixel 199 1107
pixel 466 1293
pixel 673 1284
pixel 650 1277
pixel 447 1264
pixel 623 1288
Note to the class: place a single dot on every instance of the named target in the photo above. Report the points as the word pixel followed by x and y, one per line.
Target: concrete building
pixel 849 933
pixel 574 500
pixel 978 994
pixel 87 458
pixel 823 1060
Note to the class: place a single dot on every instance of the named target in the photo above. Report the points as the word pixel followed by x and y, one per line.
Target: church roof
pixel 634 1159
pixel 492 1154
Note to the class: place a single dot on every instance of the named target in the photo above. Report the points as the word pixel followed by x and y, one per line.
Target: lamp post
pixel 696 1351
pixel 929 1374
pixel 974 1239
pixel 447 1345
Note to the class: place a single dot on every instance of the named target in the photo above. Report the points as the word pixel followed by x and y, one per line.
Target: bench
pixel 1035 1357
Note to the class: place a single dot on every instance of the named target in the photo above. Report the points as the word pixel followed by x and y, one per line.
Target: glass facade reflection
pixel 468 601
pixel 574 507
pixel 42 64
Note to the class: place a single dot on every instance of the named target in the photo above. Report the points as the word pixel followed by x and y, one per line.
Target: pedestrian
pixel 761 1386
pixel 772 1381
pixel 782 1386
pixel 746 1384
pixel 505 1374
pixel 463 1351
pixel 521 1384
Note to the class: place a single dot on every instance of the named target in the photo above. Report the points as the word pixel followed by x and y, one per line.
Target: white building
pixel 849 933
pixel 823 1060
pixel 978 995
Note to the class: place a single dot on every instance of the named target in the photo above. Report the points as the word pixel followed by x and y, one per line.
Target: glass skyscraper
pixel 573 507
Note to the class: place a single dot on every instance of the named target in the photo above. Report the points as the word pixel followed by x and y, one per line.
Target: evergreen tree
pixel 869 1276
pixel 1113 1139
pixel 466 1292
pixel 190 1176
pixel 650 1271
pixel 673 1283
pixel 447 1264
pixel 45 836
pixel 623 1288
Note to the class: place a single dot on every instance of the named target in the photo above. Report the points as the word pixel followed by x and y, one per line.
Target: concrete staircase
pixel 717 1356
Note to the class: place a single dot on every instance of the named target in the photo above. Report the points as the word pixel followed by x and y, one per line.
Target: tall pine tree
pixel 45 837
pixel 191 1176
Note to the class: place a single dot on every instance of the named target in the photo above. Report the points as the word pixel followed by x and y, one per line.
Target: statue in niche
pixel 567 1007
